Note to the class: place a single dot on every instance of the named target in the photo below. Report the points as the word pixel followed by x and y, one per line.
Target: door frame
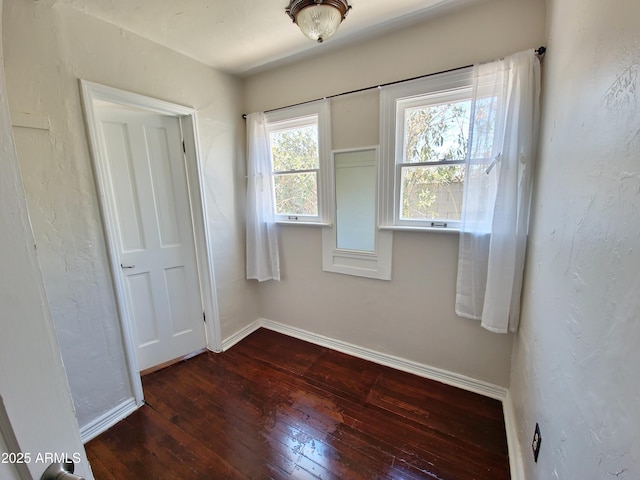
pixel 187 116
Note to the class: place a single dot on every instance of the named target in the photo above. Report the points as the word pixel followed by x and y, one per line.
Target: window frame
pixel 394 100
pixel 307 114
pixel 374 263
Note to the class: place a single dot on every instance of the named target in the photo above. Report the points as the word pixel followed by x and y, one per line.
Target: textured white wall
pixel 576 359
pixel 412 316
pixel 34 392
pixel 47 49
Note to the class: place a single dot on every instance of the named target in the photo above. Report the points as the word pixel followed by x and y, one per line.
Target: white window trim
pixel 299 115
pixel 450 86
pixel 376 264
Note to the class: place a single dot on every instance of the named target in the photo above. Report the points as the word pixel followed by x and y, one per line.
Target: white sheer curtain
pixel 497 197
pixel 263 261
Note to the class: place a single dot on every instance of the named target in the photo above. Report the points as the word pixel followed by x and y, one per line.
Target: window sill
pixel 304 224
pixel 404 228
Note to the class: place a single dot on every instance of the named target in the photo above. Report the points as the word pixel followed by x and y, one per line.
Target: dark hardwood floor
pixel 276 407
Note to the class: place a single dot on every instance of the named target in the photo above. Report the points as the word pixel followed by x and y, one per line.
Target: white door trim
pixel 92 92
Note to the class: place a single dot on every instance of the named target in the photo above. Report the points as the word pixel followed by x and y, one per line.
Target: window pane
pixel 295 149
pixel 296 193
pixel 356 177
pixel 484 125
pixel 436 132
pixel 432 193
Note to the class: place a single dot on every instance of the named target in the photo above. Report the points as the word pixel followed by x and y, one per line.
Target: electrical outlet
pixel 535 445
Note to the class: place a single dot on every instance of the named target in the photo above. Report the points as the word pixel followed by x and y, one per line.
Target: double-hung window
pixel 300 144
pixel 424 136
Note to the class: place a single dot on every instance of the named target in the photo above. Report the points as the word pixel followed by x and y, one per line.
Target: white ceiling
pixel 244 36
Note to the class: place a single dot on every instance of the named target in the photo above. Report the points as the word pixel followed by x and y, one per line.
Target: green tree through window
pixel 295 166
pixel 438 135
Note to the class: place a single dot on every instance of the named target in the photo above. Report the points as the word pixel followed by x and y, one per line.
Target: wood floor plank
pixel 322 414
pixel 344 375
pixel 280 351
pixel 100 470
pixel 274 407
pixel 197 417
pixel 187 450
pixel 439 415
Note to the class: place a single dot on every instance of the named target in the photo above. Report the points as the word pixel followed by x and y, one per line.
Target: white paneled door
pixel 153 230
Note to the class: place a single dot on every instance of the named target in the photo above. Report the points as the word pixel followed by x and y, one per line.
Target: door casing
pixel 94 92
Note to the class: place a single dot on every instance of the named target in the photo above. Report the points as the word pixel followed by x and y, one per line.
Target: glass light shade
pixel 319 22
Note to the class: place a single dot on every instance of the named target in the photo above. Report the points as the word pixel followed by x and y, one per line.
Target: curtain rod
pixel 539 51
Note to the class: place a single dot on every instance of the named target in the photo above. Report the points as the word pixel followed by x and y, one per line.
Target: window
pixel 424 136
pixel 299 141
pixel 433 134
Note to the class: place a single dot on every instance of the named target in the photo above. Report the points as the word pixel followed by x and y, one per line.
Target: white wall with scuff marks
pixel 47 49
pixel 576 359
pixel 412 316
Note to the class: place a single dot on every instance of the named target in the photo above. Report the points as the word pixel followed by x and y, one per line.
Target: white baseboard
pixel 513 443
pixel 409 366
pixel 240 334
pixel 108 419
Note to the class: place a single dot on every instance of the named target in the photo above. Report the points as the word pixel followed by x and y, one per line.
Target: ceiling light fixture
pixel 318 19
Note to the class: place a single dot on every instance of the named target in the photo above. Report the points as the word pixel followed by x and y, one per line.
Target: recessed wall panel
pixel 159 156
pixel 123 183
pixel 143 310
pixel 179 307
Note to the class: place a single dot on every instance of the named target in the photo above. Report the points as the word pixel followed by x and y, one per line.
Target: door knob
pixel 60 471
pixel 127 266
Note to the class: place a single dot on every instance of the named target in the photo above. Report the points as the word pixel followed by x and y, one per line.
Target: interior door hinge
pixel 204 317
pixel 184 148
